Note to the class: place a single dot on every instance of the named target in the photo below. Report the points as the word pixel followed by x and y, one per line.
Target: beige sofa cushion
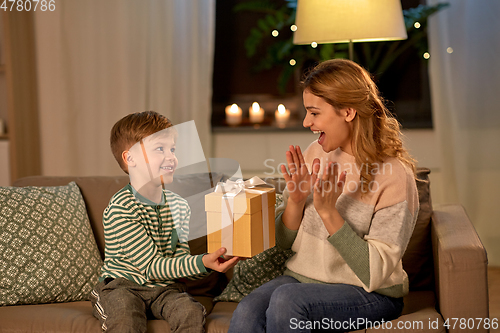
pixel 66 317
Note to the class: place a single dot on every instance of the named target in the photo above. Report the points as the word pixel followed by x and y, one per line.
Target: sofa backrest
pixel 98 190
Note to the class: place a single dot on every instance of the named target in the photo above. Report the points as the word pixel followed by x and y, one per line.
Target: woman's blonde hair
pixel 376 133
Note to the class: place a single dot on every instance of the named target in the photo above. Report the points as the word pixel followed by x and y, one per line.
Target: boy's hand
pixel 218 262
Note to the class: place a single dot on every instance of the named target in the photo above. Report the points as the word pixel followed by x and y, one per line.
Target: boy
pixel 146 233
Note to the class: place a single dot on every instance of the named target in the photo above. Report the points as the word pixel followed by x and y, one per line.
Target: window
pixel 405 85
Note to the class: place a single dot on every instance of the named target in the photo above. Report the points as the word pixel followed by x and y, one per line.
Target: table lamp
pixel 342 21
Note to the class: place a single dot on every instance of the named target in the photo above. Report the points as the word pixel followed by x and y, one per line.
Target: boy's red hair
pixel 133 128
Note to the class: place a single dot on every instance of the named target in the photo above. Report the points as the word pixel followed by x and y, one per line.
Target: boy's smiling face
pixel 154 158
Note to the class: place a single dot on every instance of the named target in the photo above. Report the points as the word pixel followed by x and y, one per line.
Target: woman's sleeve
pixel 284 236
pixel 375 256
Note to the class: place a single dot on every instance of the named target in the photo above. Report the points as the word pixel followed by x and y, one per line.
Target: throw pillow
pixel 48 253
pixel 251 273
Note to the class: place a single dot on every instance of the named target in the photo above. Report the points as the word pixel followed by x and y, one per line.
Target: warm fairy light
pixel 417 25
pixel 314 45
pixel 293 27
pixel 275 33
pixel 449 50
pixel 426 55
pixel 293 62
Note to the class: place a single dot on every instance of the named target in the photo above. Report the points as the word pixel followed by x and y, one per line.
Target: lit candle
pixel 256 113
pixel 233 114
pixel 282 115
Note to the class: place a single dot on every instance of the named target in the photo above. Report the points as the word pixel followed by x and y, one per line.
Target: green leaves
pixel 421 14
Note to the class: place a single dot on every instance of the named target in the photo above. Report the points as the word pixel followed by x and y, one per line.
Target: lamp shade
pixel 341 21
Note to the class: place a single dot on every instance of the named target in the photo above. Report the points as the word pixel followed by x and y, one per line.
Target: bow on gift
pixel 230 189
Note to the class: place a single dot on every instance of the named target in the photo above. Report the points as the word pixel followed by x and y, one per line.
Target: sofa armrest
pixel 460 266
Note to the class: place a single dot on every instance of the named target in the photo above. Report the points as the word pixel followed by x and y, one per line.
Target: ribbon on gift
pixel 230 189
pixel 233 187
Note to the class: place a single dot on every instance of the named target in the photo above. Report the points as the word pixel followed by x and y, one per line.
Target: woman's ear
pixel 128 159
pixel 350 114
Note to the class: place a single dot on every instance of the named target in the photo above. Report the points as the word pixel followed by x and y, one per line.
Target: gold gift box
pixel 248 230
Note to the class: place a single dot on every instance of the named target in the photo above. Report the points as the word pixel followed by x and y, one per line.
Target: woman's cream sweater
pixel 367 250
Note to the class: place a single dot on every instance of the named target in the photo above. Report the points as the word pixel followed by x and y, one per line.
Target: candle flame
pixel 234 108
pixel 281 109
pixel 255 107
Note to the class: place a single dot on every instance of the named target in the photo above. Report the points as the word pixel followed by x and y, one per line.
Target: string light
pixel 293 62
pixel 314 45
pixel 275 33
pixel 426 55
pixel 293 27
pixel 417 25
pixel 449 50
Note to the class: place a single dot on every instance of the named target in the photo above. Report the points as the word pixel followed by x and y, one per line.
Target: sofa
pixel 445 261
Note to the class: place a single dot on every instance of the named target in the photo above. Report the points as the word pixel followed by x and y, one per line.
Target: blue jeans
pixel 286 305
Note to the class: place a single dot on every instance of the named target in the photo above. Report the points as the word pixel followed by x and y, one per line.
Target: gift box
pixel 240 220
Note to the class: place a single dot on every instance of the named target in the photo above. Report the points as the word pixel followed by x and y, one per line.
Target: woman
pixel 348 213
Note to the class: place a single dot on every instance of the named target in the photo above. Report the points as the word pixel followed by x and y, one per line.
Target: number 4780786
pixel 28 5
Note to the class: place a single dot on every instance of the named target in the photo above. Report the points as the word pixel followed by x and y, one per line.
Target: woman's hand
pixel 299 182
pixel 327 190
pixel 218 262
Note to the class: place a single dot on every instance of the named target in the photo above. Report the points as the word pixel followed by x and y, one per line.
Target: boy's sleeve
pixel 182 247
pixel 133 241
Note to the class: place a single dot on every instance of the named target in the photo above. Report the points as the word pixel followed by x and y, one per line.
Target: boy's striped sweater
pixel 148 244
pixel 368 249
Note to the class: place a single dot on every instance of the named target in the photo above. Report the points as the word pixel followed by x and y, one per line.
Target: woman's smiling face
pixel 334 127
